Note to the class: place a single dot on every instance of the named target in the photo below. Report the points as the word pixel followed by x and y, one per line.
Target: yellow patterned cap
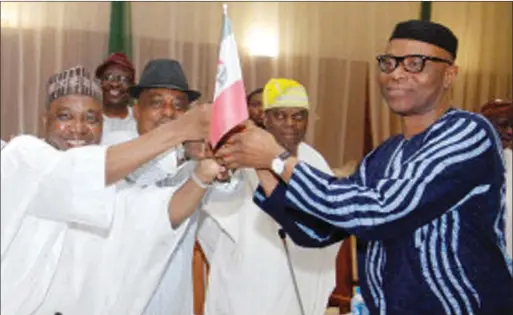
pixel 284 93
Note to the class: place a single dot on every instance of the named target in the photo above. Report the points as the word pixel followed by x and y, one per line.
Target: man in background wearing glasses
pixel 429 202
pixel 117 75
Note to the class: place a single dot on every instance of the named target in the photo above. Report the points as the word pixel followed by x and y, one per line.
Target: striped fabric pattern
pixel 430 211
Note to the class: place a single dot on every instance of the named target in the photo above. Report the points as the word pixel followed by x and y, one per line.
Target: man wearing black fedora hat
pixel 72 243
pixel 163 95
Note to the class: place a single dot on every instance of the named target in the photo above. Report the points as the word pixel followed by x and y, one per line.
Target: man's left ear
pixel 135 108
pixel 265 120
pixel 44 118
pixel 450 75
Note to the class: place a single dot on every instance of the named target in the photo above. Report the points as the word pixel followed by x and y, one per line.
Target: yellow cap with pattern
pixel 284 93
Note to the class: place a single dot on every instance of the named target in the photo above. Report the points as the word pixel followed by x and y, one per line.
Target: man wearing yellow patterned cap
pixel 249 270
pixel 286 109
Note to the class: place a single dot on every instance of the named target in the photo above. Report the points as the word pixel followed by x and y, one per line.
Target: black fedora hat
pixel 164 73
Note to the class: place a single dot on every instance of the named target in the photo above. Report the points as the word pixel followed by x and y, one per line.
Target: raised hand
pixel 198 150
pixel 208 170
pixel 195 123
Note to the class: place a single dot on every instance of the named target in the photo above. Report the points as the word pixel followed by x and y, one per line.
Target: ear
pixel 450 75
pixel 44 126
pixel 135 109
pixel 44 118
pixel 266 120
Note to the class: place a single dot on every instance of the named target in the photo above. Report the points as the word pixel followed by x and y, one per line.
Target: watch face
pixel 278 166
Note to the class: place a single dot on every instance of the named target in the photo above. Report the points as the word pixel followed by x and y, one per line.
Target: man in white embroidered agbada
pixel 50 186
pixel 249 272
pixel 163 95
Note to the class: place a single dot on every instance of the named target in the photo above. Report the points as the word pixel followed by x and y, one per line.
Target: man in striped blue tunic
pixel 429 203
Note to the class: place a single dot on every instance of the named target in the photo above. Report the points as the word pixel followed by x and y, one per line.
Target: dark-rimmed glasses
pixel 411 63
pixel 122 79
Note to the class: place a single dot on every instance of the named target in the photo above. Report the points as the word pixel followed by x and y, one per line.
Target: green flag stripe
pixel 425 10
pixel 120 37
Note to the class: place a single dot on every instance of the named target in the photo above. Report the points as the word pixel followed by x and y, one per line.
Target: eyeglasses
pixel 411 63
pixel 122 79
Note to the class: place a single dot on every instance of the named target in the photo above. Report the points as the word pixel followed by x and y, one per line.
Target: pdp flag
pixel 229 108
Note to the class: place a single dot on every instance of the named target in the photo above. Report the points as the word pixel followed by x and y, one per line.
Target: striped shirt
pixel 430 211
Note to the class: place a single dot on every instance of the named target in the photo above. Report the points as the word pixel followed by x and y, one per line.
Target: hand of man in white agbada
pixel 186 199
pixel 251 147
pixel 195 123
pixel 208 170
pixel 198 150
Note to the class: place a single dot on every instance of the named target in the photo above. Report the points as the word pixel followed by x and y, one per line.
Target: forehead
pixel 288 110
pixel 75 103
pixel 117 69
pixel 256 97
pixel 401 47
pixel 164 93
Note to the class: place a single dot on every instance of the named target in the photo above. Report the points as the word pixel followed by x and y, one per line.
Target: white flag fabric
pixel 229 108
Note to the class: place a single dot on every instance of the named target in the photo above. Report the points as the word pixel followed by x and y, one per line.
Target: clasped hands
pixel 245 146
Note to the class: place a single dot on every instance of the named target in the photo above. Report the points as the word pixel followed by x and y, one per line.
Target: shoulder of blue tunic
pixel 479 119
pixel 483 124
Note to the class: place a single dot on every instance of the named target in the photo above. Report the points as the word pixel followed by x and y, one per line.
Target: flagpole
pixel 229 109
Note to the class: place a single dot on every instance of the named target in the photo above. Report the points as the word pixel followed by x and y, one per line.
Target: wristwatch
pixel 278 163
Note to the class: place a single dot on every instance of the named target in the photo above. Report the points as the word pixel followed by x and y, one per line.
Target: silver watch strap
pixel 284 155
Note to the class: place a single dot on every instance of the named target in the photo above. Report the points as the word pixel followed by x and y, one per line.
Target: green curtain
pixel 120 36
pixel 425 10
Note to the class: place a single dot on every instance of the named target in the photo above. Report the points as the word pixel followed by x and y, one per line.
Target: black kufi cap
pixel 428 32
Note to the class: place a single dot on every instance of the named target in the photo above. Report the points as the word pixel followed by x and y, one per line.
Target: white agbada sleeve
pixel 144 241
pixel 43 190
pixel 117 273
pixel 67 186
